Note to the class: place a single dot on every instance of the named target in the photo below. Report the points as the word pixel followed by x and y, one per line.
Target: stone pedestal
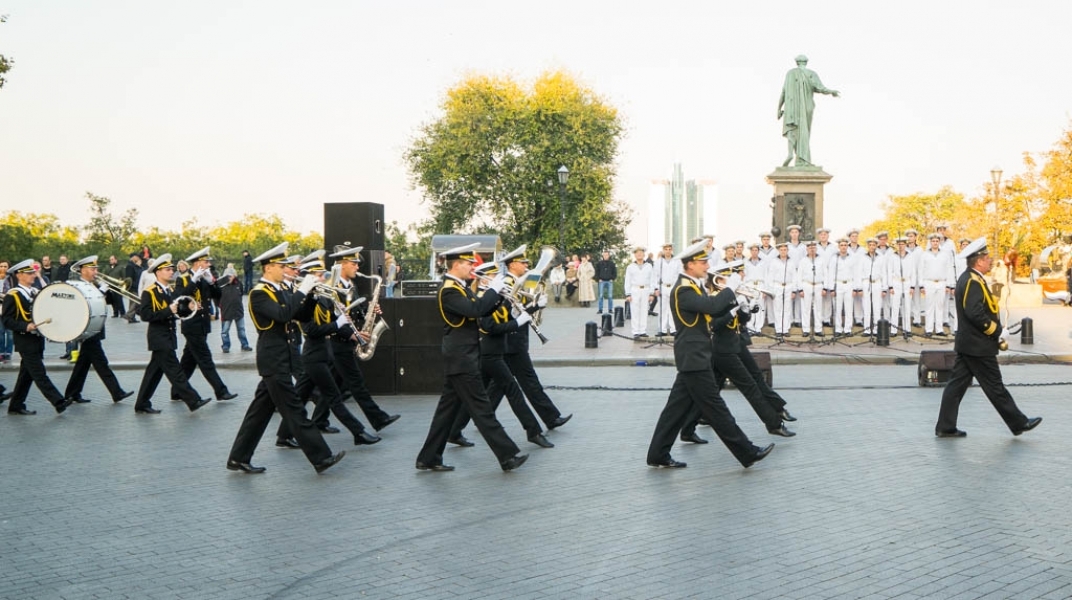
pixel 798 199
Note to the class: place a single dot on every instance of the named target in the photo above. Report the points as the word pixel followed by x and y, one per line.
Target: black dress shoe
pixel 63 404
pixel 462 441
pixel 327 464
pixel 147 411
pixel 227 396
pixel 390 419
pixel 692 437
pixel 234 465
pixel 80 400
pixel 559 422
pixel 669 464
pixel 6 396
pixel 786 416
pixel 122 396
pixel 328 429
pixel 425 467
pixel 21 411
pixel 200 403
pixel 514 462
pixel 1031 424
pixel 541 441
pixel 758 456
pixel 65 356
pixel 954 433
pixel 366 439
pixel 782 431
pixel 287 443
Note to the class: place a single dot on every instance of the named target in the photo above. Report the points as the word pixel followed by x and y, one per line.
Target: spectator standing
pixel 585 273
pixel 247 270
pixel 231 309
pixel 62 270
pixel 118 272
pixel 606 273
pixel 557 278
pixel 6 340
pixel 46 269
pixel 390 269
pixel 133 274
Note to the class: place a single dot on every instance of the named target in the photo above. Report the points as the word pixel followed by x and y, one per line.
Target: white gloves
pixel 103 288
pixel 498 283
pixel 541 301
pixel 342 321
pixel 307 284
pixel 523 318
pixel 198 274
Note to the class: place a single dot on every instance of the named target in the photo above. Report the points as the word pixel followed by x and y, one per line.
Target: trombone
pixel 118 286
pixel 511 296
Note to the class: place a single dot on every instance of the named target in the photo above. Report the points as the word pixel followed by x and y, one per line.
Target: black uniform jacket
pixel 693 310
pixel 494 329
pixel 18 313
pixel 460 308
pixel 727 332
pixel 271 308
pixel 203 292
pixel 318 329
pixel 155 309
pixel 517 340
pixel 979 328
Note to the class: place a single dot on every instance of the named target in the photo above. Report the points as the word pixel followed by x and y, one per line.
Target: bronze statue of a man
pixel 795 108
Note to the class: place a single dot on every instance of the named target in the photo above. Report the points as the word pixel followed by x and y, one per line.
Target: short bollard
pixel 619 316
pixel 608 325
pixel 591 337
pixel 1027 331
pixel 882 338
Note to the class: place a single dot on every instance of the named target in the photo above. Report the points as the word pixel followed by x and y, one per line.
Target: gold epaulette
pixel 261 287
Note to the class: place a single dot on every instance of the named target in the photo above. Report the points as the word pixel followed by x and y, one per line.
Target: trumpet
pixel 510 294
pixel 118 286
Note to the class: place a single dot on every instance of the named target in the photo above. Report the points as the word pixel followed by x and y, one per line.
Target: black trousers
pixel 986 371
pixel 32 371
pixel 499 382
pixel 318 375
pixel 277 393
pixel 92 354
pixel 465 389
pixel 521 366
pixel 196 355
pixel 699 388
pixel 164 363
pixel 774 398
pixel 352 379
pixel 729 365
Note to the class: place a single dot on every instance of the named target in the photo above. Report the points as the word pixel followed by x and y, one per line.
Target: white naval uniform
pixel 901 282
pixel 810 279
pixel 841 281
pixel 755 275
pixel 664 275
pixel 934 274
pixel 917 300
pixel 638 285
pixel 871 271
pixel 796 252
pixel 780 281
pixel 825 253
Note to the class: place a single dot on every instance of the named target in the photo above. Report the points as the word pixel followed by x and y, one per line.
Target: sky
pixel 217 109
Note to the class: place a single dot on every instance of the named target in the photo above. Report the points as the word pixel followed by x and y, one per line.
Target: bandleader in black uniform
pixel 160 309
pixel 199 284
pixel 518 359
pixel 91 352
pixel 693 310
pixel 18 317
pixel 272 312
pixel 460 308
pixel 978 336
pixel 344 342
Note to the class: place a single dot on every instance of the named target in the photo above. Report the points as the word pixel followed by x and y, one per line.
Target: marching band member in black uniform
pixel 159 308
pixel 199 284
pixel 317 358
pixel 344 342
pixel 460 308
pixel 517 354
pixel 727 345
pixel 498 380
pixel 18 317
pixel 272 312
pixel 695 382
pixel 91 351
pixel 976 344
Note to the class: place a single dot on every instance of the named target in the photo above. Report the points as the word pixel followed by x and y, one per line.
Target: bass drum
pixel 69 311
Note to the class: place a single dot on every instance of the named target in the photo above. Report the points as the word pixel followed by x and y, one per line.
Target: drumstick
pixel 45 322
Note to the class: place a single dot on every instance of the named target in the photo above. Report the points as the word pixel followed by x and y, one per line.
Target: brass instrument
pixel 186 307
pixel 510 295
pixel 118 286
pixel 374 325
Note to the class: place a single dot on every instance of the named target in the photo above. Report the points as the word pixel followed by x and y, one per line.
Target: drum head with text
pixel 69 311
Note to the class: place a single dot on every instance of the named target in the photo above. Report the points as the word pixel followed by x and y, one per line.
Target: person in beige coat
pixel 586 274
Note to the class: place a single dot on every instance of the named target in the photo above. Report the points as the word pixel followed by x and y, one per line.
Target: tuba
pixel 374 325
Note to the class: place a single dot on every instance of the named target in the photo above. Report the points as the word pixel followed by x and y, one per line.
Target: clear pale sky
pixel 222 108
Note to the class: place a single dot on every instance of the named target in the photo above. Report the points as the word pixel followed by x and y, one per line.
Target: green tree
pixel 489 163
pixel 106 234
pixel 918 211
pixel 32 235
pixel 5 62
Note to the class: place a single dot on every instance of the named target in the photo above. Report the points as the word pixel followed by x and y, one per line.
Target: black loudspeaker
pixel 379 371
pixel 415 322
pixel 764 363
pixel 419 370
pixel 356 224
pixel 935 367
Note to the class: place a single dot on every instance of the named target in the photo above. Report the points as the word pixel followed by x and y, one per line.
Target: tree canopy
pixel 5 62
pixel 489 163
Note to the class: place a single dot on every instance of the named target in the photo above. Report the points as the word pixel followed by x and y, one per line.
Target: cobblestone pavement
pixel 864 503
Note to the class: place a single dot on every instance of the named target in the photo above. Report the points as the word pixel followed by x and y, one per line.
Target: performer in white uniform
pixel 664 276
pixel 639 291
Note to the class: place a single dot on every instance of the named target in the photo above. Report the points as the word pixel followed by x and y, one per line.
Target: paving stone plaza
pixel 864 503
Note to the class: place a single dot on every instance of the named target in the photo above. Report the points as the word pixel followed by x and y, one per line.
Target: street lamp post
pixel 995 177
pixel 563 177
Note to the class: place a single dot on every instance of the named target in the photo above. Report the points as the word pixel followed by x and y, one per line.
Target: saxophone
pixel 374 326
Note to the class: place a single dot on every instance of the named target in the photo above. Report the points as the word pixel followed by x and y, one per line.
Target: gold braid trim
pixel 158 304
pixel 23 313
pixel 321 316
pixel 252 316
pixel 449 283
pixel 677 308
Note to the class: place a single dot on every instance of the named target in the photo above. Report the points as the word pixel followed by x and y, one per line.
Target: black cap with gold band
pixel 275 255
pixel 697 251
pixel 89 261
